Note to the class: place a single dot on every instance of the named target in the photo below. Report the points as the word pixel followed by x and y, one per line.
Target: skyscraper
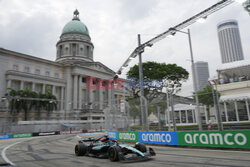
pixel 202 74
pixel 229 40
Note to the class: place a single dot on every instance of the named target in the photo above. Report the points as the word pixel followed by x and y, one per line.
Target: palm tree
pixel 51 104
pixel 26 100
pixel 14 104
pixel 40 105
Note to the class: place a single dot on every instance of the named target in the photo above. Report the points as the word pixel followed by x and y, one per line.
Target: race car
pixel 104 147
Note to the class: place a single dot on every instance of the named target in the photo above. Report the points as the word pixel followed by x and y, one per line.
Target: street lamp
pixel 246 6
pixel 216 104
pixel 143 100
pixel 173 31
pixel 172 89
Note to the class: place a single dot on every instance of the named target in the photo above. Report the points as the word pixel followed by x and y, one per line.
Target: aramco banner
pixel 165 138
pixel 21 135
pixel 128 136
pixel 112 135
pixel 226 139
pixel 5 137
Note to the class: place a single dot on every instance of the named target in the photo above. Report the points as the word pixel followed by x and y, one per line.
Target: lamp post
pixel 172 89
pixel 216 104
pixel 193 73
pixel 144 115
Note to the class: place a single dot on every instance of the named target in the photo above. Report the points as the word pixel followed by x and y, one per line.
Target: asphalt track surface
pixel 58 151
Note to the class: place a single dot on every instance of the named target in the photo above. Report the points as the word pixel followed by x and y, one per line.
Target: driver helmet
pixel 104 138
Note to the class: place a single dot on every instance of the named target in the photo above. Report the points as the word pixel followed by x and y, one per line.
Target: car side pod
pixel 151 152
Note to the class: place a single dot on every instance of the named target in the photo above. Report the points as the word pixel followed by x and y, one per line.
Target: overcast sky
pixel 34 27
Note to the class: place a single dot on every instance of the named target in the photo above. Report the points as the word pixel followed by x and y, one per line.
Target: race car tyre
pixel 81 149
pixel 141 147
pixel 113 153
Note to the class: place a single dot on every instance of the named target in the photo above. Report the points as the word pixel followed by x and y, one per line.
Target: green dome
pixel 75 27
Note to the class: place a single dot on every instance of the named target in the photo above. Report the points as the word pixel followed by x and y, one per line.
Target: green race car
pixel 107 148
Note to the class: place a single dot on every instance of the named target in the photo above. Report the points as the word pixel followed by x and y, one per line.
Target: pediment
pixel 97 66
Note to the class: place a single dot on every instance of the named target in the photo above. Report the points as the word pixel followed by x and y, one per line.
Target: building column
pixel 43 91
pixel 186 113
pixel 80 92
pixel 62 98
pixel 68 89
pixel 236 111
pixel 91 96
pixel 22 85
pixel 225 108
pixel 33 86
pixel 9 83
pixel 75 92
pixel 180 116
pixel 247 106
pixel 109 97
pixel 54 90
pixel 100 99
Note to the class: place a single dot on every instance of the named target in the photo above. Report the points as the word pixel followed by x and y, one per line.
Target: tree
pixel 135 110
pixel 155 74
pixel 26 100
pixel 206 97
pixel 51 104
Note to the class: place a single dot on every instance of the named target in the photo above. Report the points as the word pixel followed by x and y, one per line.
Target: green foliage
pixel 206 96
pixel 154 70
pixel 26 100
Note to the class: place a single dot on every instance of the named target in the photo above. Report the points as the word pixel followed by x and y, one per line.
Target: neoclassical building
pixel 66 77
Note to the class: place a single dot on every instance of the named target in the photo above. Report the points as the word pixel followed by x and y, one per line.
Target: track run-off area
pixel 58 150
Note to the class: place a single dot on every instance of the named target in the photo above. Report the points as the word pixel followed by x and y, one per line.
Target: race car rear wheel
pixel 141 147
pixel 113 153
pixel 81 149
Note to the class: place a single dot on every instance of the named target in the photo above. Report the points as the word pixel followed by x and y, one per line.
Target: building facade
pixel 202 74
pixel 229 41
pixel 233 85
pixel 67 77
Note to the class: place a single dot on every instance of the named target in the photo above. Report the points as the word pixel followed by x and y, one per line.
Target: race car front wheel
pixel 113 153
pixel 80 149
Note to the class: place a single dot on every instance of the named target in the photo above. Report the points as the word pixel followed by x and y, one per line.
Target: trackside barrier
pixel 165 138
pixel 112 135
pixel 21 135
pixel 218 139
pixel 223 139
pixel 128 136
pixel 46 133
pixel 5 137
pixel 89 134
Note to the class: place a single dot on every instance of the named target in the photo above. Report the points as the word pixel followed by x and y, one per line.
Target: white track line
pixel 4 155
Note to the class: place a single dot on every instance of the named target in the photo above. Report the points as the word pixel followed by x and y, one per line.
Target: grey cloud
pixel 137 9
pixel 34 35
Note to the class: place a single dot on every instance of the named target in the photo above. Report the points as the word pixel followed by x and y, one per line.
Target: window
pixel 37 71
pixel 56 75
pixel 15 67
pixel 26 69
pixel 47 73
pixel 66 50
pixel 88 51
pixel 81 50
pixel 74 49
